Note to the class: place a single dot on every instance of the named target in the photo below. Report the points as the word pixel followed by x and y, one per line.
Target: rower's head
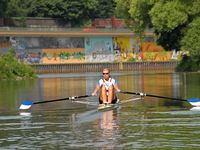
pixel 106 73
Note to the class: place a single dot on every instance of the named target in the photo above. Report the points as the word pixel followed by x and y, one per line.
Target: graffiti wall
pixel 29 56
pixel 99 49
pixel 47 42
pixel 49 49
pixel 123 48
pixel 55 50
pixel 63 55
pixel 150 51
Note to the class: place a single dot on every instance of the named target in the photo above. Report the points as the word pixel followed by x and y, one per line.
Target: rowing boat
pixel 106 107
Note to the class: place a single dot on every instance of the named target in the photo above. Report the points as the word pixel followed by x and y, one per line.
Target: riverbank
pixel 96 67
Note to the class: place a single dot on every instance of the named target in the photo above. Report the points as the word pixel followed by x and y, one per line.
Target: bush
pixel 10 68
pixel 188 64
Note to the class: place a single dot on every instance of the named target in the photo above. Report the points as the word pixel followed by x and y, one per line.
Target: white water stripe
pixel 24 106
pixel 197 104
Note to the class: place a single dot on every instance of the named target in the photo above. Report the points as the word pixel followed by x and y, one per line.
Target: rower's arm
pixel 116 88
pixel 95 90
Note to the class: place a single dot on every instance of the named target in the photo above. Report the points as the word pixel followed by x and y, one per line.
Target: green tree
pixel 18 8
pixel 187 64
pixel 170 40
pixel 136 14
pixel 104 9
pixel 3 7
pixel 167 15
pixel 175 22
pixel 74 11
pixel 191 40
pixel 168 18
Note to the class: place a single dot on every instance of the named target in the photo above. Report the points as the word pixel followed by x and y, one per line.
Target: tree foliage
pixel 76 12
pixel 176 22
pixel 122 9
pixel 18 8
pixel 3 7
pixel 191 42
pixel 104 9
pixel 167 17
pixel 73 11
pixel 187 64
pixel 191 39
pixel 136 14
pixel 170 40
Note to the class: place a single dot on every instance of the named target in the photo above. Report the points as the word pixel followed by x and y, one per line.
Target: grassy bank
pixel 11 68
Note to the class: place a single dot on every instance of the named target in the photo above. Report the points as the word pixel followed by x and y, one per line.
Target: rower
pixel 108 88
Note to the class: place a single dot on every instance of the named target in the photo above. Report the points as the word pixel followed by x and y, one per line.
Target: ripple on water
pixel 126 130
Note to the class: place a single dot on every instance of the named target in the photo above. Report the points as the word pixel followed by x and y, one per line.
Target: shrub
pixel 11 68
pixel 188 64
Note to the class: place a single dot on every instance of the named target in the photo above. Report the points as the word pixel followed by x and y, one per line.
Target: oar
pixel 26 104
pixel 192 101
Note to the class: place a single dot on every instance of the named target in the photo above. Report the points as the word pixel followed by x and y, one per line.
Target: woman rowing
pixel 108 86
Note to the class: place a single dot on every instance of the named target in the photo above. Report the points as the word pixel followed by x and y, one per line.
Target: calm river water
pixel 149 123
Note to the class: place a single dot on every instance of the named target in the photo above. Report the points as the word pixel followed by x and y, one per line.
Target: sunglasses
pixel 105 73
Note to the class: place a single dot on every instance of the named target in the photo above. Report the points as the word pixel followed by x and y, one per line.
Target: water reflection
pixel 10 91
pixel 179 85
pixel 109 129
pixel 26 119
pixel 149 123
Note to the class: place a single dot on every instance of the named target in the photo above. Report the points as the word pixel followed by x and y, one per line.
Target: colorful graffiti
pixel 99 49
pixel 156 56
pixel 123 49
pixel 67 55
pixel 52 56
pixel 55 50
pixel 49 49
pixel 47 42
pixel 30 56
pixel 151 47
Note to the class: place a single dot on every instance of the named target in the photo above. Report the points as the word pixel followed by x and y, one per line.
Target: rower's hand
pixel 118 90
pixel 94 94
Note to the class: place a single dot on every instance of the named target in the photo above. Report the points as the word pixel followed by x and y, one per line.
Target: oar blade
pixel 26 105
pixel 194 102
